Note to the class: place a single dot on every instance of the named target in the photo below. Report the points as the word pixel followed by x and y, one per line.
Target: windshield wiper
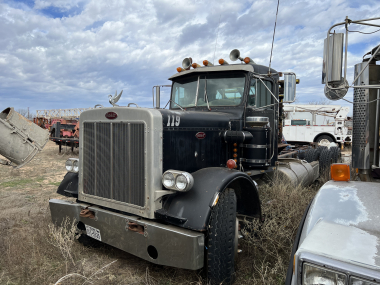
pixel 170 100
pixel 206 97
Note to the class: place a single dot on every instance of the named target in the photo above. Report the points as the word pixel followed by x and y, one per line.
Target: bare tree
pixel 27 114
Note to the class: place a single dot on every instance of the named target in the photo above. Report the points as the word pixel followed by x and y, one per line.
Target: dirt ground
pixel 35 252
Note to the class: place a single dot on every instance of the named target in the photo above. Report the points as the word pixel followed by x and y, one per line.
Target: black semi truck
pixel 173 186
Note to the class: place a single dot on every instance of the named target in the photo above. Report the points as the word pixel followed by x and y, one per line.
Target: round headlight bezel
pixel 172 178
pixel 185 182
pixel 75 165
pixel 69 165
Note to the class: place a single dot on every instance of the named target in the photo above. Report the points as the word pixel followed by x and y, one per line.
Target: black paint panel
pixel 69 183
pixel 183 150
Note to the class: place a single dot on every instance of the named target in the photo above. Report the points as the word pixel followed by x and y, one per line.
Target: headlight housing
pixel 177 180
pixel 72 165
pixel 168 179
pixel 313 274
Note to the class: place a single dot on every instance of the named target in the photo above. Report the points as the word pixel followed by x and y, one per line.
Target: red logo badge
pixel 111 115
pixel 200 135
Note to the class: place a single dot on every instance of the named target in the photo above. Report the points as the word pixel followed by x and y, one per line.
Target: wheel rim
pixel 324 142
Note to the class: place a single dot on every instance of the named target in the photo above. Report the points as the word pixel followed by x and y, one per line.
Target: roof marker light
pixel 195 65
pixel 179 69
pixel 222 61
pixel 207 63
pixel 248 60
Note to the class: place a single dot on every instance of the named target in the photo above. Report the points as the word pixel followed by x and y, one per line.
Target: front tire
pixel 221 247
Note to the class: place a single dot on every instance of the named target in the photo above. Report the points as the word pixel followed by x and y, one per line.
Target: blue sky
pixel 57 54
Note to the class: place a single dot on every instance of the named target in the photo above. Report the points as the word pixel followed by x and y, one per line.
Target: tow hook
pixel 86 213
pixel 136 228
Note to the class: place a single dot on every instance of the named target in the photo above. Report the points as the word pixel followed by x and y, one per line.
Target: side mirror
pixel 333 49
pixel 336 86
pixel 158 94
pixel 289 87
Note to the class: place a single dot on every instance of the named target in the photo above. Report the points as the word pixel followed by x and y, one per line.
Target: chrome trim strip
pixel 255 145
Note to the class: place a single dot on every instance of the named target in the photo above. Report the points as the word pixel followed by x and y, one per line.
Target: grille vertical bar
pixel 120 161
pixel 103 162
pixel 89 159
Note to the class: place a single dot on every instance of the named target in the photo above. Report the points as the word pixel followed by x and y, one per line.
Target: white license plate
pixel 93 232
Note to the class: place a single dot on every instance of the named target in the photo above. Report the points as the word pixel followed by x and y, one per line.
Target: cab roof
pixel 228 67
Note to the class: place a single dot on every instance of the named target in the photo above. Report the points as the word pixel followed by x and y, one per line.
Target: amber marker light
pixel 207 63
pixel 340 172
pixel 179 69
pixel 231 164
pixel 247 60
pixel 195 65
pixel 222 61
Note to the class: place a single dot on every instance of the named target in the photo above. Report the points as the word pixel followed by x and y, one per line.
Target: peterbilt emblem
pixel 111 115
pixel 200 135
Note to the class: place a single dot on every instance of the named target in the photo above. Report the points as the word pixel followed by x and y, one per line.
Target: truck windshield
pixel 227 90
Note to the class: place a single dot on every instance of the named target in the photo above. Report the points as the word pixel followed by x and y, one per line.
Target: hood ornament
pixel 113 100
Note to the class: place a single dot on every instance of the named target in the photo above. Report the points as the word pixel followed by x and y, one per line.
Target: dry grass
pixel 35 252
pixel 267 247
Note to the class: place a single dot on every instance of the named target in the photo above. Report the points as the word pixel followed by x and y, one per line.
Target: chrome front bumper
pixel 174 246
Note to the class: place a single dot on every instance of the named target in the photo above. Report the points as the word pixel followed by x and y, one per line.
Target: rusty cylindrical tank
pixel 20 139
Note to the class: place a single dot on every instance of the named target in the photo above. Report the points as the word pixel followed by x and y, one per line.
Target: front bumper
pixel 175 246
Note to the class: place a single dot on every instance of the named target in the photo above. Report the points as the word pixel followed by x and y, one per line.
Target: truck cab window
pixel 259 96
pixel 221 90
pixel 184 92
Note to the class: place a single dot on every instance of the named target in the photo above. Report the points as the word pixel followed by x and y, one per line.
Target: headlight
pixel 168 179
pixel 313 275
pixel 358 281
pixel 177 180
pixel 76 165
pixel 181 182
pixel 69 165
pixel 72 165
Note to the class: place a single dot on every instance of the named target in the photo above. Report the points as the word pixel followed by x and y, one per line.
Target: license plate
pixel 93 232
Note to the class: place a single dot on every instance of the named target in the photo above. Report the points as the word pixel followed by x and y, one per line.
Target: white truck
pixel 316 123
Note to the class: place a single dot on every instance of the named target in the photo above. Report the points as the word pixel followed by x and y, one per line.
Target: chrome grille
pixel 113 161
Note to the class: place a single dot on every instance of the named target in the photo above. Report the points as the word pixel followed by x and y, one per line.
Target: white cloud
pixel 61 54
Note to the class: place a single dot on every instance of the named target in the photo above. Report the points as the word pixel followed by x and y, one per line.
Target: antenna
pixel 274 32
pixel 216 40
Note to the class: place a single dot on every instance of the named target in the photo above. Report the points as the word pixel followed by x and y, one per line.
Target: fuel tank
pixel 192 140
pixel 296 171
